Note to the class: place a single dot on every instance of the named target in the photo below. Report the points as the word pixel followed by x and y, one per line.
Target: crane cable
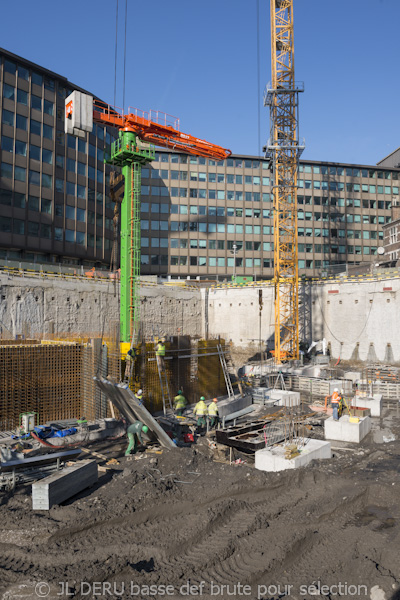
pixel 113 258
pixel 258 77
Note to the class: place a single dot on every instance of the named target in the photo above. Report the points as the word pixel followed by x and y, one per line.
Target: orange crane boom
pixel 164 133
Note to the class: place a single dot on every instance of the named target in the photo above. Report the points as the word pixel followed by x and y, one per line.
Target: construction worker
pixel 201 411
pixel 134 432
pixel 160 354
pixel 213 414
pixel 139 397
pixel 129 362
pixel 180 403
pixel 335 403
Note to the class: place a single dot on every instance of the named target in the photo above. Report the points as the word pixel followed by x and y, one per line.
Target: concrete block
pixel 353 375
pixel 273 459
pixel 64 484
pixel 226 407
pixel 285 398
pixel 346 431
pixel 374 404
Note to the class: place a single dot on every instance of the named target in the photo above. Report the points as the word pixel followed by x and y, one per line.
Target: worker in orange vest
pixel 335 402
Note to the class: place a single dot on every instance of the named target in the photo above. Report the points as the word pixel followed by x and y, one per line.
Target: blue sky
pixel 197 60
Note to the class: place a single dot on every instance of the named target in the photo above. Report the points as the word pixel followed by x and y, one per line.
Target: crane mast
pixel 138 134
pixel 283 151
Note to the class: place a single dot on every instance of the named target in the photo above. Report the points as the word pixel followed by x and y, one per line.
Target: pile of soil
pixel 213 530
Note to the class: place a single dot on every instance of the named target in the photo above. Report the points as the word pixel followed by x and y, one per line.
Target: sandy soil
pixel 180 519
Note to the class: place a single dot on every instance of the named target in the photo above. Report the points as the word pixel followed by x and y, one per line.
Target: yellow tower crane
pixel 283 151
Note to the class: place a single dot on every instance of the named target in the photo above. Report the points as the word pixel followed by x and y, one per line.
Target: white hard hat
pixel 336 390
pixel 139 392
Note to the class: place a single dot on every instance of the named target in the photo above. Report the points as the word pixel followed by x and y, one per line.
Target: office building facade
pixel 196 211
pixel 200 218
pixel 54 188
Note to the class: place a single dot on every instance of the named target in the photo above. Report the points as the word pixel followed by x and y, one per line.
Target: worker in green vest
pixel 160 354
pixel 200 410
pixel 134 432
pixel 180 403
pixel 213 414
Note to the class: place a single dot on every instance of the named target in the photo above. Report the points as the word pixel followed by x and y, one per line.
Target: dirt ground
pixel 178 525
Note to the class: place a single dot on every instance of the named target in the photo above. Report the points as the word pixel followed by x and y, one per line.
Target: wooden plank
pixel 64 484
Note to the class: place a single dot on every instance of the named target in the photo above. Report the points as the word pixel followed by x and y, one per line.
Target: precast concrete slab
pixel 232 405
pixel 374 404
pixel 273 459
pixel 346 431
pixel 285 398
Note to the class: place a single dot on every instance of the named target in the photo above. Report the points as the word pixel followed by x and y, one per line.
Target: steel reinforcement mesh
pixel 192 366
pixel 40 378
pixel 55 379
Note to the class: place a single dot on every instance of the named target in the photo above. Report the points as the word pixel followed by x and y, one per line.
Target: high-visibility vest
pixel 200 409
pixel 160 350
pixel 213 409
pixel 335 398
pixel 180 402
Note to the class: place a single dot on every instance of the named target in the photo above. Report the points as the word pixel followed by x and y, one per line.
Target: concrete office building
pixel 200 218
pixel 195 210
pixel 54 189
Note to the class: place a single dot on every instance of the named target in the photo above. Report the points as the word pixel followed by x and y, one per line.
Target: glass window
pixel 20 174
pixel 19 226
pixel 8 117
pixel 81 191
pixel 23 73
pixel 81 168
pixel 22 97
pixel 49 107
pixel 33 203
pixel 81 146
pixel 20 148
pixel 36 78
pixel 70 188
pixel 81 214
pixel 34 152
pixel 33 229
pixel 45 206
pixel 47 156
pixel 70 212
pixel 45 231
pixel 5 224
pixel 36 127
pixel 58 234
pixel 9 91
pixel 9 66
pixel 70 165
pixel 6 170
pixel 70 235
pixel 5 197
pixel 59 185
pixel 7 144
pixel 47 180
pixel 36 102
pixel 47 131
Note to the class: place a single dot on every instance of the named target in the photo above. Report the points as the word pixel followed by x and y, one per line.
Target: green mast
pixel 128 154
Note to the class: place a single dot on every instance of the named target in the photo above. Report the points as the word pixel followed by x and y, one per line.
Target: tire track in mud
pixel 243 553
